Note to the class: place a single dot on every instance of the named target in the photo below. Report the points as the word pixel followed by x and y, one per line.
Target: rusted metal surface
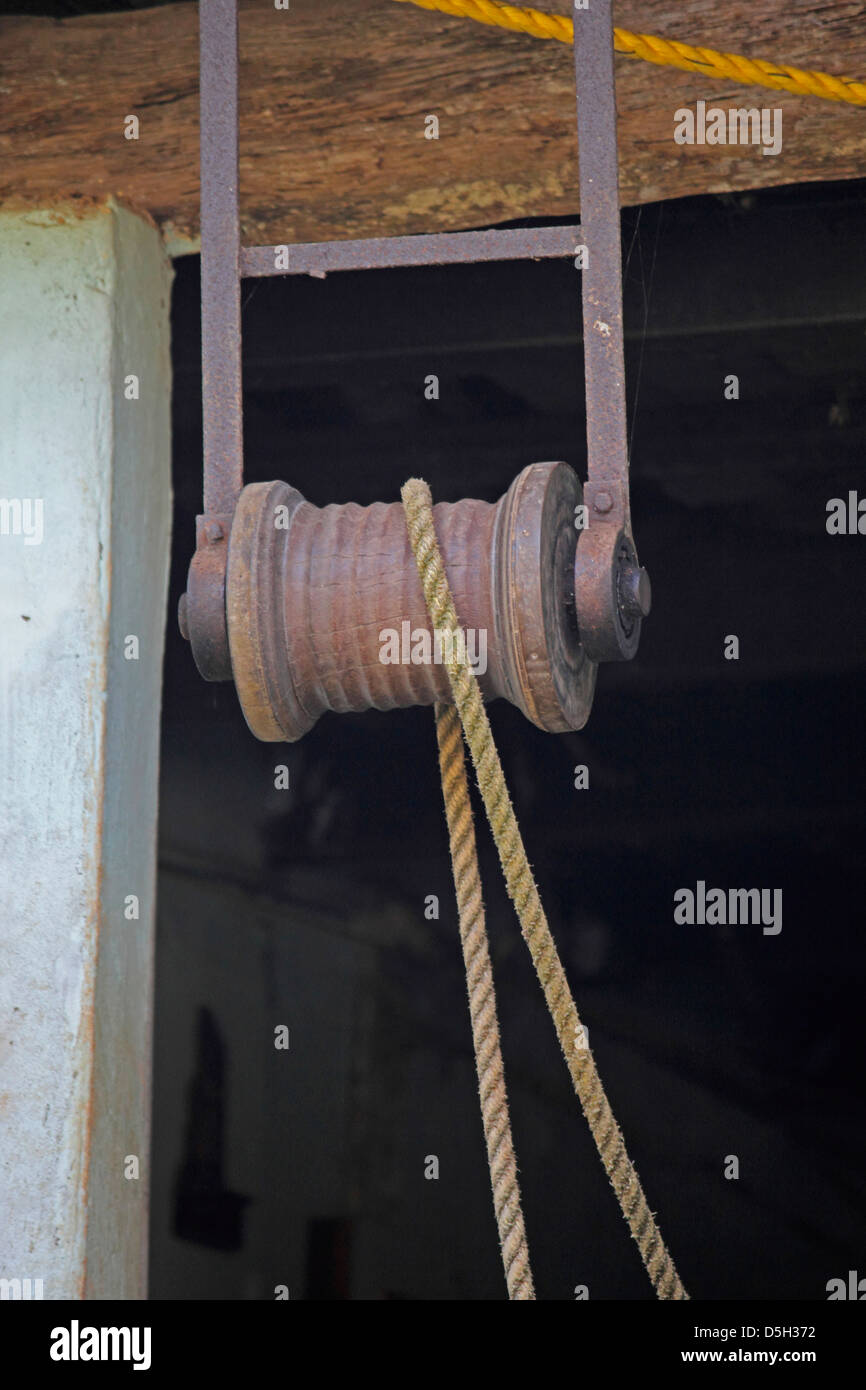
pixel 222 419
pixel 611 590
pixel 380 253
pixel 326 611
pixel 203 614
pixel 220 289
pixel 296 621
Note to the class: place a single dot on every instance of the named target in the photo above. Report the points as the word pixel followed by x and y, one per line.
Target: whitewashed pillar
pixel 85 503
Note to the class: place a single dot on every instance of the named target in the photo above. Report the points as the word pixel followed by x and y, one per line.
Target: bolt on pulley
pixel 290 600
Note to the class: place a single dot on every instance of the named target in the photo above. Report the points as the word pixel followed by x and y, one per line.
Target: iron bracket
pixel 611 590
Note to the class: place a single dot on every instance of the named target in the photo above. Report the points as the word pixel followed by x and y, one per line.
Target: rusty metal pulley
pixel 300 605
pixel 325 609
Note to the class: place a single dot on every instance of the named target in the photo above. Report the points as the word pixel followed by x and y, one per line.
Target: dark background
pixel 306 907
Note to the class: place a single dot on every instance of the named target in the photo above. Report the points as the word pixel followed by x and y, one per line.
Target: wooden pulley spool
pixel 325 610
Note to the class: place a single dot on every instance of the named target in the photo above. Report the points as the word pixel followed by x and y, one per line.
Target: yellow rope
pixel 665 52
pixel 482 1007
pixel 418 506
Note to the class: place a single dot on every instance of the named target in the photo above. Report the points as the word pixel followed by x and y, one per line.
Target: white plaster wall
pixel 84 301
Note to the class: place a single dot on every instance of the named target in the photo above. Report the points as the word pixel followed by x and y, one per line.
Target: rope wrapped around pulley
pixel 418 506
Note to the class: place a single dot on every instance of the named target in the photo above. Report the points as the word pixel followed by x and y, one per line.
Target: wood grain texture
pixel 334 95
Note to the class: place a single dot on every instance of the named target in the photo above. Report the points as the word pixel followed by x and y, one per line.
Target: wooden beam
pixel 333 99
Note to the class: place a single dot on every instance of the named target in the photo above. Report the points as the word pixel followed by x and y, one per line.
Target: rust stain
pixel 64 208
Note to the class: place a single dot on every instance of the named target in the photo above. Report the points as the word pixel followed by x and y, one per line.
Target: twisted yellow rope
pixel 418 506
pixel 665 52
pixel 482 1007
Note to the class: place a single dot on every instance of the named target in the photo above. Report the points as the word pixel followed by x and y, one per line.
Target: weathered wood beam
pixel 333 99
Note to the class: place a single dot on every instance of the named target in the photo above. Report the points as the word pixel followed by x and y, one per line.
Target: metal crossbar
pixel 441 248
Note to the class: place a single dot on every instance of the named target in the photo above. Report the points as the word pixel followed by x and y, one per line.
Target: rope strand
pixel 660 1267
pixel 665 52
pixel 482 1007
